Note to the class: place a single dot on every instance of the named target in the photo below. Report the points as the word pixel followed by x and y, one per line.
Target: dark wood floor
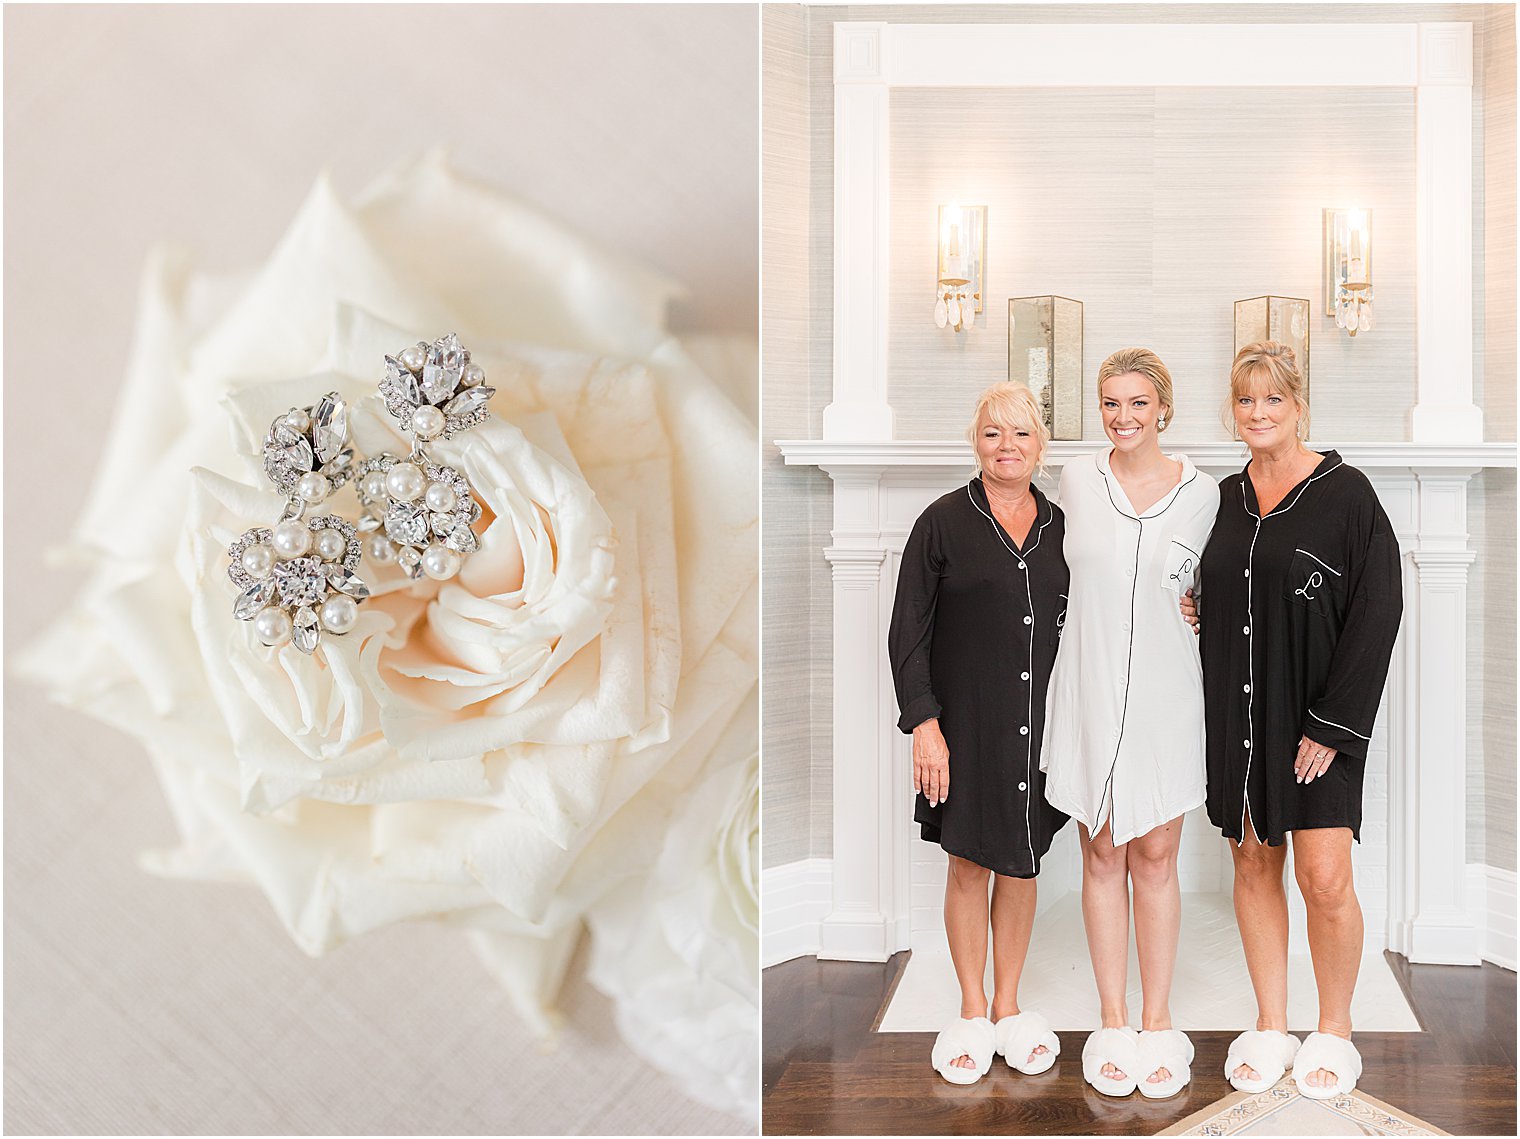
pixel 826 1071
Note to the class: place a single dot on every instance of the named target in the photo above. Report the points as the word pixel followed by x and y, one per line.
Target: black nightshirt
pixel 975 626
pixel 1299 613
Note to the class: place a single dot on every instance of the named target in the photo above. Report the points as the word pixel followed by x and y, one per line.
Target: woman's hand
pixel 1189 609
pixel 1313 760
pixel 931 762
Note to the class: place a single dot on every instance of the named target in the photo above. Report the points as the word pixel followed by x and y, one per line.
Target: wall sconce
pixel 962 252
pixel 1283 319
pixel 1045 354
pixel 1348 269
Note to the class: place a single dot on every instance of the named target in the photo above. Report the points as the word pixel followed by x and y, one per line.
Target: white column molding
pixel 1440 926
pixel 859 925
pixel 862 154
pixel 1445 411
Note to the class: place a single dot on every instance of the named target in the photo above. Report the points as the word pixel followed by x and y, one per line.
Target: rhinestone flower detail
pixel 418 514
pixel 433 390
pixel 307 453
pixel 297 580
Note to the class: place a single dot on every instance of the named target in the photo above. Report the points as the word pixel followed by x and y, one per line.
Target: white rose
pixel 680 953
pixel 471 750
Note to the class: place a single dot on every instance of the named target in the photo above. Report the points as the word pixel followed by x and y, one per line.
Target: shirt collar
pixel 1121 500
pixel 1332 461
pixel 1043 509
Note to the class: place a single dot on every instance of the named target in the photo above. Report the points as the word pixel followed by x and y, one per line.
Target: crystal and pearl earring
pixel 418 513
pixel 297 578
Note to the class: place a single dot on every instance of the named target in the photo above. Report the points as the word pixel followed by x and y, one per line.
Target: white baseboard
pixel 794 899
pixel 1491 896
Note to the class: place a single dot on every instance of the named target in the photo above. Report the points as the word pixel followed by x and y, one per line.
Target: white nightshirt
pixel 1124 723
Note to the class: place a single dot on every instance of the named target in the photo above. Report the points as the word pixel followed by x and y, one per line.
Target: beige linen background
pixel 134 1005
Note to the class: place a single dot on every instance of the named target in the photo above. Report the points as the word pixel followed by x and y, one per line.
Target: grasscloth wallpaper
pixel 1156 208
pixel 1149 207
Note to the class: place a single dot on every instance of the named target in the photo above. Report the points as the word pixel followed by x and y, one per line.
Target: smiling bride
pixel 1124 745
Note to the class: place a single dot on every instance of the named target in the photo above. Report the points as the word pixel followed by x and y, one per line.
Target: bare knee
pixel 967 876
pixel 1258 865
pixel 1325 883
pixel 1102 861
pixel 1152 865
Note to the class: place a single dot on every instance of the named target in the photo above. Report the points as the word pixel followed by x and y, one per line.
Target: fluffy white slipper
pixel 1116 1046
pixel 1167 1048
pixel 1268 1051
pixel 964 1037
pixel 1334 1054
pixel 1018 1036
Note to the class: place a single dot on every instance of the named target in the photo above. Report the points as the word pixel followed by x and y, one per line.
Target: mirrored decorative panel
pixel 1284 319
pixel 1045 352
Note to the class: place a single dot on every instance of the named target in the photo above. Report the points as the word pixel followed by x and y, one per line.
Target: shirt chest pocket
pixel 1179 568
pixel 1313 582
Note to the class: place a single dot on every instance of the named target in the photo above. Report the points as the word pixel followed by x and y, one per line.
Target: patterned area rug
pixel 1280 1110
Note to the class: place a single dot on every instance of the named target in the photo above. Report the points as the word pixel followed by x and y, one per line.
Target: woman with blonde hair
pixel 1300 596
pixel 980 598
pixel 1124 740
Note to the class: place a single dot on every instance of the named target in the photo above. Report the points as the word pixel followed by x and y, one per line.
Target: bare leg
pixel 966 916
pixel 1322 865
pixel 1013 902
pixel 1261 912
pixel 1158 918
pixel 1105 913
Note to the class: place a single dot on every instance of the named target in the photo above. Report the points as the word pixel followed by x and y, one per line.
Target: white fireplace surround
pixel 1421 903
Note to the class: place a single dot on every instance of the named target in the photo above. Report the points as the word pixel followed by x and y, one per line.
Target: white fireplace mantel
pixel 1225 456
pixel 1412 861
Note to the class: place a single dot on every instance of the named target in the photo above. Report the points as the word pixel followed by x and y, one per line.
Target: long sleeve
pixel 912 630
pixel 1342 717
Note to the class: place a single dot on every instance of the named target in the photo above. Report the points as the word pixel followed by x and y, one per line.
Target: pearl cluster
pixel 297 580
pixel 306 452
pixel 433 390
pixel 417 515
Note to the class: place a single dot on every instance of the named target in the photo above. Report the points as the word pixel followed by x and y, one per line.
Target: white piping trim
pixel 1327 565
pixel 1245 477
pixel 1342 727
pixel 1250 669
pixel 1029 792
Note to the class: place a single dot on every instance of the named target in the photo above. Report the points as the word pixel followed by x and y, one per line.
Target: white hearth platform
pixel 1210 990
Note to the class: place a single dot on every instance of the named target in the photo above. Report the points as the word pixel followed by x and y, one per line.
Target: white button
pixel 1023 787
pixel 1024 730
pixel 1248 573
pixel 1129 571
pixel 1248 743
pixel 1021 565
pixel 1029 620
pixel 1023 676
pixel 1246 630
pixel 1245 687
pixel 1124 627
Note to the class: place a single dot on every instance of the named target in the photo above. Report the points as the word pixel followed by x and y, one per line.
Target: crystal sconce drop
pixel 1283 319
pixel 962 253
pixel 1348 269
pixel 1045 355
